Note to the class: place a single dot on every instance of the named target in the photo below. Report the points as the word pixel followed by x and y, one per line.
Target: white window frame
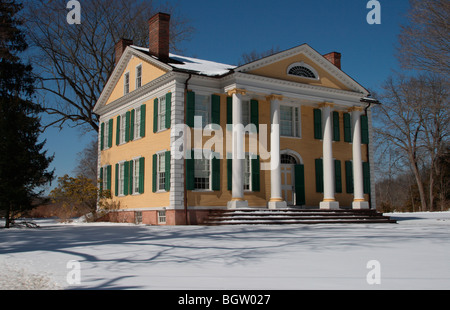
pixel 126 86
pixel 105 177
pixel 161 113
pixel 246 108
pixel 162 218
pixel 139 77
pixel 123 125
pixel 160 156
pixel 106 135
pixel 137 123
pixel 206 155
pixel 297 123
pixel 121 178
pixel 136 175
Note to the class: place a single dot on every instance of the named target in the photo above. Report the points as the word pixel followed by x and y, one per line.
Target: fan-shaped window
pixel 302 70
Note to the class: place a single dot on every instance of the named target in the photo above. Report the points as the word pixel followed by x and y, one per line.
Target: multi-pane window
pixel 203 108
pixel 138 76
pixel 290 121
pixel 202 173
pixel 162 217
pixel 137 123
pixel 136 169
pixel 162 113
pixel 161 171
pixel 121 178
pixel 105 178
pixel 123 119
pixel 106 136
pixel 126 87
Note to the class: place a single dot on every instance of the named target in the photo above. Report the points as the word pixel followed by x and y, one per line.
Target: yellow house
pixel 181 136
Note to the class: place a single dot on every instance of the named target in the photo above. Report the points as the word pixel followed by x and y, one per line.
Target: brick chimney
pixel 159 34
pixel 334 58
pixel 120 48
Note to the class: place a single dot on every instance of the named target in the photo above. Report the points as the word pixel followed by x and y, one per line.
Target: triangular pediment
pixel 131 59
pixel 302 64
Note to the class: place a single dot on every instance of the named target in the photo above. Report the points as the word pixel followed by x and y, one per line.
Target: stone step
pixel 294 216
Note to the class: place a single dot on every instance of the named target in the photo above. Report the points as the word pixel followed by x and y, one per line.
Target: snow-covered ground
pixel 413 254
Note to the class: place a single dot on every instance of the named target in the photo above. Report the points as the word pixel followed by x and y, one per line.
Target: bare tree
pixel 425 41
pixel 414 121
pixel 87 164
pixel 255 55
pixel 74 62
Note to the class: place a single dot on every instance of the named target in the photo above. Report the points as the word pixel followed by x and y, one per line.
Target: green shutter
pixel 154 172
pixel 317 124
pixel 215 109
pixel 117 180
pixel 102 133
pixel 167 171
pixel 132 119
pixel 127 126
pixel 319 175
pixel 101 181
pixel 190 109
pixel 168 109
pixel 108 177
pixel 349 177
pixel 155 115
pixel 131 174
pixel 118 131
pixel 229 110
pixel 141 174
pixel 143 109
pixel 229 174
pixel 347 128
pixel 215 163
pixel 256 175
pixel 337 176
pixel 366 177
pixel 364 129
pixel 126 178
pixel 254 113
pixel 110 133
pixel 336 132
pixel 190 180
pixel 299 171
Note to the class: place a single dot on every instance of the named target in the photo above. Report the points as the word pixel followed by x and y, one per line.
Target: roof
pixel 194 65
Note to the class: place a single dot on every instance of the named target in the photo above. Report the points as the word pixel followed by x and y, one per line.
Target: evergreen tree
pixel 23 163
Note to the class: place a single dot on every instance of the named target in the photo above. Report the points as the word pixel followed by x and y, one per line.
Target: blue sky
pixel 224 30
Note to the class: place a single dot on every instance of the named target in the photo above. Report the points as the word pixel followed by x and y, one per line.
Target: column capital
pixel 237 91
pixel 274 97
pixel 355 108
pixel 326 104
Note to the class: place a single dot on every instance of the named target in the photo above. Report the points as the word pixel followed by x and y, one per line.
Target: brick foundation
pixel 173 217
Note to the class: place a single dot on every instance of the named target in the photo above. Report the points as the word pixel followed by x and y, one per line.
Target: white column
pixel 238 153
pixel 329 202
pixel 276 200
pixel 358 181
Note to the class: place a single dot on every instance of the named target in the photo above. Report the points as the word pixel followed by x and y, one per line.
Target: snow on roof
pixel 199 66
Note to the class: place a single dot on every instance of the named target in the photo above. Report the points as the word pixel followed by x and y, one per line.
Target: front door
pixel 287 183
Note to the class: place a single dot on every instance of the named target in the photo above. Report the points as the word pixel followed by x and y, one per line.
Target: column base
pixel 236 204
pixel 329 205
pixel 277 205
pixel 360 205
